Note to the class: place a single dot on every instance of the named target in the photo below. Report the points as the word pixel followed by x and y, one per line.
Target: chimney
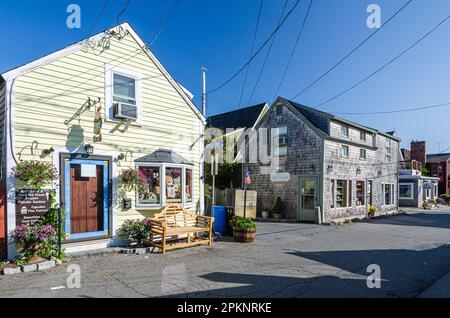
pixel 419 151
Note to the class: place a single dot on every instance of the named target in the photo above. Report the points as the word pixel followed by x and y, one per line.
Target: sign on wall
pixel 31 205
pixel 250 210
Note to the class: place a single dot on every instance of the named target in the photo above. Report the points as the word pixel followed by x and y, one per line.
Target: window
pixel 362 154
pixel 388 150
pixel 283 141
pixel 189 185
pixel 174 185
pixel 388 194
pixel 151 194
pixel 279 110
pixel 362 135
pixel 436 191
pixel 341 193
pixel 406 191
pixel 369 192
pixel 333 190
pixel 360 193
pixel 344 131
pixel 122 87
pixel 345 151
pixel 165 184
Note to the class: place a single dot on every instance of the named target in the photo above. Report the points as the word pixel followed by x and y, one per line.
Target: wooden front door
pixel 86 201
pixel 86 197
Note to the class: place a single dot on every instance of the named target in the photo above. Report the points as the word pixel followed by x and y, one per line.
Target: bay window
pixel 165 184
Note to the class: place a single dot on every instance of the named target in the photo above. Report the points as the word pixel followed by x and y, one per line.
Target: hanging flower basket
pixel 36 174
pixel 133 178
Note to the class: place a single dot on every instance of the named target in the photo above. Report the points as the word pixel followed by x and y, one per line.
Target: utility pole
pixel 204 92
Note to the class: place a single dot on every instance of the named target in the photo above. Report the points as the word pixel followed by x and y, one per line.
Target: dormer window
pixel 344 131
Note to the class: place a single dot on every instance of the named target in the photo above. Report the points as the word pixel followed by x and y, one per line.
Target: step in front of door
pixel 77 247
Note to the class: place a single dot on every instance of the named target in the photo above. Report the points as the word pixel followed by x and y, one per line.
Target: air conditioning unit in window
pixel 125 111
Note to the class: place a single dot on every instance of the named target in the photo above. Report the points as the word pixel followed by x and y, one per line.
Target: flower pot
pixel 245 235
pixel 265 214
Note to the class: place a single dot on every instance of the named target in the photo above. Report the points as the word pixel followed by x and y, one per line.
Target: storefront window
pixel 174 185
pixel 188 185
pixel 360 197
pixel 406 191
pixel 388 191
pixel 341 194
pixel 152 192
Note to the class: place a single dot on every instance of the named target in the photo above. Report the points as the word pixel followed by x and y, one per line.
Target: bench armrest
pixel 206 220
pixel 157 226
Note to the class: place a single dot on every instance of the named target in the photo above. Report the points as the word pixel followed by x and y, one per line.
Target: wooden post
pixel 163 240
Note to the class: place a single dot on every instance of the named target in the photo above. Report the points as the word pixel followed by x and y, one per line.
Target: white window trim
pixel 109 82
pixel 360 157
pixel 162 180
pixel 411 185
pixel 348 196
pixel 342 131
pixel 348 152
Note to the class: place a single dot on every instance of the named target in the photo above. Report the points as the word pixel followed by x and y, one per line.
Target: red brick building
pixel 439 166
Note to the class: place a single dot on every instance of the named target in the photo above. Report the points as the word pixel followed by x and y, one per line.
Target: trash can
pixel 220 220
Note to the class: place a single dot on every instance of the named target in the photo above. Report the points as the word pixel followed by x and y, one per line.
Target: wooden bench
pixel 175 221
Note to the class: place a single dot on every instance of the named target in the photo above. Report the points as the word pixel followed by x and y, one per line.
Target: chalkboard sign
pixel 31 205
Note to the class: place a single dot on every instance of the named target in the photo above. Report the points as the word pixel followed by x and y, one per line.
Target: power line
pixel 352 51
pixel 257 52
pixel 124 9
pixel 385 65
pixel 396 111
pixel 102 11
pixel 165 24
pixel 294 49
pixel 251 51
pixel 267 56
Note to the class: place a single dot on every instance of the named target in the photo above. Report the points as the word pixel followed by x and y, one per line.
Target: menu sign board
pixel 31 205
pixel 250 210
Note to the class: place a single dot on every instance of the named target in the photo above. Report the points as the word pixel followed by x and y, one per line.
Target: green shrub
pixel 243 223
pixel 137 231
pixel 278 207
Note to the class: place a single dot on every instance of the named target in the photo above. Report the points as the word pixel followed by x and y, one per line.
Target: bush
pixel 278 207
pixel 137 231
pixel 241 223
pixel 445 197
pixel 51 248
pixel 372 210
pixel 35 239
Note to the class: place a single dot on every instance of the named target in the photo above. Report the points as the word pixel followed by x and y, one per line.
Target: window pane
pixel 344 151
pixel 360 197
pixel 387 194
pixel 151 193
pixel 173 185
pixel 405 191
pixel 125 86
pixel 341 193
pixel 333 199
pixel 188 185
pixel 344 131
pixel 282 151
pixel 282 131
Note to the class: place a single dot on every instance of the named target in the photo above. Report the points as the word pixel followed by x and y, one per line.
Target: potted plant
pixel 136 231
pixel 244 229
pixel 425 206
pixel 36 174
pixel 33 240
pixel 265 214
pixel 372 211
pixel 277 211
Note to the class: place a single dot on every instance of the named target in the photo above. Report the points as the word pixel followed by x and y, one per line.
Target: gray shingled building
pixel 331 168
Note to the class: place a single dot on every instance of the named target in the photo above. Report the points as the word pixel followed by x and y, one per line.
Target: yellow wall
pixel 51 94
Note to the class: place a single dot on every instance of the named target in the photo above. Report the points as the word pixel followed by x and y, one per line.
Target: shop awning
pixel 164 156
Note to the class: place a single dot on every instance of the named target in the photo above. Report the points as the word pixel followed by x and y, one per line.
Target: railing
pixel 410 165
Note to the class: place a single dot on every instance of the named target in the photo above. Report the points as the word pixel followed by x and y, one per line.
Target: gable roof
pixel 438 157
pixel 320 119
pixel 241 118
pixel 14 73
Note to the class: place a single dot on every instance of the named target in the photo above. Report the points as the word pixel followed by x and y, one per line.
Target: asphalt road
pixel 287 260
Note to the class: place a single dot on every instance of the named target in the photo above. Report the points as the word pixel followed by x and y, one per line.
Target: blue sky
pixel 218 34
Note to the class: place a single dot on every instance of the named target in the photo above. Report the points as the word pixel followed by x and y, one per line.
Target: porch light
pixel 89 149
pixel 358 170
pixel 380 174
pixel 330 168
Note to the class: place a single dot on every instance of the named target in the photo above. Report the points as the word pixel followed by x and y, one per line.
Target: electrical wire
pixel 267 56
pixel 396 111
pixel 102 11
pixel 294 49
pixel 165 23
pixel 257 52
pixel 124 9
pixel 251 51
pixel 385 65
pixel 352 51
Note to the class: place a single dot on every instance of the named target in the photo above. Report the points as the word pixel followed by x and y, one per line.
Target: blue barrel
pixel 220 220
